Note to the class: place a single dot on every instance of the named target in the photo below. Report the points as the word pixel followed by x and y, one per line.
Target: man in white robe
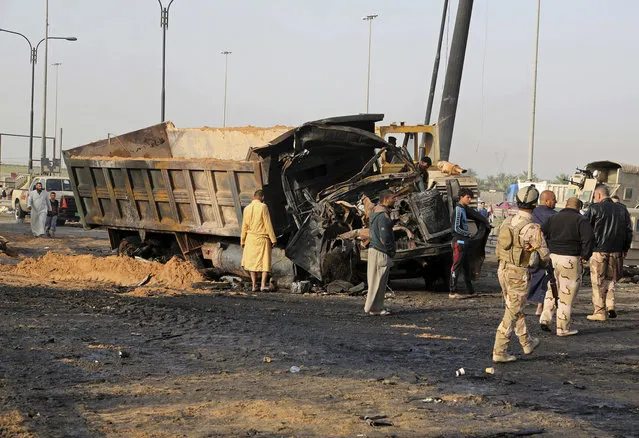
pixel 39 205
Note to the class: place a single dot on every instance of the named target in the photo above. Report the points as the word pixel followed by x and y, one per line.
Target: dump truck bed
pixel 198 196
pixel 168 180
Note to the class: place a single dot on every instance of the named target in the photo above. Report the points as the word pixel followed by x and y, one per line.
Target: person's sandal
pixel 383 312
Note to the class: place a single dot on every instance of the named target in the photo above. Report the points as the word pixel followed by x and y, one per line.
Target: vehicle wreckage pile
pixel 166 191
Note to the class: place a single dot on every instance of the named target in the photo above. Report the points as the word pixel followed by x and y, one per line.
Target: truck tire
pixel 19 213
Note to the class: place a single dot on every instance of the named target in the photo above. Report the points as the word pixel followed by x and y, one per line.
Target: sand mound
pixel 119 270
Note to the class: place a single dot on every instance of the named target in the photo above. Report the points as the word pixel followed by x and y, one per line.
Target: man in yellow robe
pixel 257 239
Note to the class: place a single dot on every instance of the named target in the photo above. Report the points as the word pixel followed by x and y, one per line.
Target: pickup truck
pixel 64 194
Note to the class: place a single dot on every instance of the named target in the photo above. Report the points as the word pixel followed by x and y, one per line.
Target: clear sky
pixel 295 61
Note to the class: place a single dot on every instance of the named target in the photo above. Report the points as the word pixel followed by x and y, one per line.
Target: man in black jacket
pixel 613 236
pixel 570 240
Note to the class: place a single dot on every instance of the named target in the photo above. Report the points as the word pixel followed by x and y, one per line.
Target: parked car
pixel 60 185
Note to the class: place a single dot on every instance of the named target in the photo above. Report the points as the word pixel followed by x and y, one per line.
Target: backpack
pixel 509 248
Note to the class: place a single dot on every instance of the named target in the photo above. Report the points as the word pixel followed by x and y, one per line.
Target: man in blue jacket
pixel 381 251
pixel 461 239
pixel 539 277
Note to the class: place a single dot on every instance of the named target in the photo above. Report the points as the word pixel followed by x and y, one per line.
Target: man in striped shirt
pixel 461 253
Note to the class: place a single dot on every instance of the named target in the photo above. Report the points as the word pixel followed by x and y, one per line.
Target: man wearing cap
pixel 613 236
pixel 519 237
pixel 570 240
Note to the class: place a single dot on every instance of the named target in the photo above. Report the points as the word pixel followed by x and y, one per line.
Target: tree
pixel 562 178
pixel 523 176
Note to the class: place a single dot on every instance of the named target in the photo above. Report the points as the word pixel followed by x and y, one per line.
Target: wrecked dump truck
pixel 162 191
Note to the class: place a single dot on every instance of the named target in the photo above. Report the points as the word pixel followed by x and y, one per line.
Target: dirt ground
pixel 92 358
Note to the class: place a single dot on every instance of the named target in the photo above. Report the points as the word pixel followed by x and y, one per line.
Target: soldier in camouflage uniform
pixel 519 240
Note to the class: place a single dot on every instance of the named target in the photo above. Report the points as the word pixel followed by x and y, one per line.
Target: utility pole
pixel 55 123
pixel 433 79
pixel 43 155
pixel 534 99
pixel 164 23
pixel 226 54
pixel 370 19
pixel 448 107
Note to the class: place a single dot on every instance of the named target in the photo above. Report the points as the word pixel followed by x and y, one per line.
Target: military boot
pixel 531 345
pixel 597 317
pixel 503 358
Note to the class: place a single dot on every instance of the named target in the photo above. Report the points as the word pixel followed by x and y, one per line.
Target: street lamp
pixel 164 24
pixel 55 122
pixel 34 59
pixel 534 99
pixel 226 54
pixel 370 19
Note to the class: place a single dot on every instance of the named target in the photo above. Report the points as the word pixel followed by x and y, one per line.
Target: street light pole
pixel 43 155
pixel 370 19
pixel 534 99
pixel 226 54
pixel 33 51
pixel 55 123
pixel 164 23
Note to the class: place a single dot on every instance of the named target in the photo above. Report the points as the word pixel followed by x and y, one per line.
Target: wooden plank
pixel 111 193
pixel 189 187
pixel 214 202
pixel 150 195
pixel 169 192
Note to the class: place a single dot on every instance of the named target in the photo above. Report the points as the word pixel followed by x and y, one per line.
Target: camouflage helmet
pixel 527 197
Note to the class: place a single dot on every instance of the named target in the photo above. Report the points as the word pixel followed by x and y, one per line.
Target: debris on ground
pixel 5 249
pixel 338 287
pixel 300 287
pixel 360 289
pixel 144 281
pixel 432 400
pixel 377 420
pixel 211 285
